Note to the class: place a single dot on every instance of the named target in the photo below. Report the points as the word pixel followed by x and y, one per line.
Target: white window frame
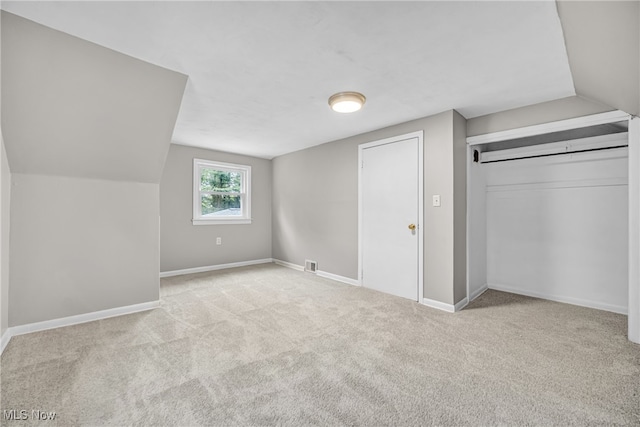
pixel 245 193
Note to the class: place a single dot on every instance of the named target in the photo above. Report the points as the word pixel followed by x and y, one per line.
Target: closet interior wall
pixel 550 219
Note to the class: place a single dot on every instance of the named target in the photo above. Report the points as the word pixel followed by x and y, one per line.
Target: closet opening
pixel 548 215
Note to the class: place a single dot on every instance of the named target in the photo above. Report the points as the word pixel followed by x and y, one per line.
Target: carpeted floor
pixel 266 345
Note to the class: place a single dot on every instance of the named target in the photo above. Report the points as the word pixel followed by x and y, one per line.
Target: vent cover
pixel 310 266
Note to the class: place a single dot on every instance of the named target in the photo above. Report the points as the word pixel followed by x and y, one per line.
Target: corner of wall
pixel 460 207
pixel 5 200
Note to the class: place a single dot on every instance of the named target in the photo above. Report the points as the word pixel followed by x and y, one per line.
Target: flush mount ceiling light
pixel 346 102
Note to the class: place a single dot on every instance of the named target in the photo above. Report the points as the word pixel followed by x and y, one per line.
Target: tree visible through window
pixel 221 193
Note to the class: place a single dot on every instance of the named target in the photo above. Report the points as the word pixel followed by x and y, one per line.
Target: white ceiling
pixel 260 73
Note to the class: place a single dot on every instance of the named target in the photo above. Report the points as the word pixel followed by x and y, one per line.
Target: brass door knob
pixel 412 227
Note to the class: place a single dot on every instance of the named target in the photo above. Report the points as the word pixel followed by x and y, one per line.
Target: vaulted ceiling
pixel 260 73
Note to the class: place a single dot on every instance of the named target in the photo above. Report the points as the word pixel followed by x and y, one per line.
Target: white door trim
pixel 634 231
pixel 468 225
pixel 361 148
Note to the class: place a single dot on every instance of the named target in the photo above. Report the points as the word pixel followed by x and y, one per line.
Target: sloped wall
pixel 73 108
pixel 603 46
pixel 87 130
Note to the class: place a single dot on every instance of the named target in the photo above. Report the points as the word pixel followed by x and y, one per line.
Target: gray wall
pixel 5 200
pixel 445 167
pixel 315 203
pixel 184 245
pixel 81 245
pixel 477 232
pixel 559 109
pixel 603 46
pixel 439 247
pixel 86 130
pixel 459 147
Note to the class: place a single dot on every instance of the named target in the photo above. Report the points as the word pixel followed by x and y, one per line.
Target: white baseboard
pixel 567 300
pixel 449 308
pixel 461 304
pixel 475 294
pixel 74 320
pixel 289 265
pixel 323 274
pixel 214 267
pixel 338 278
pixel 4 340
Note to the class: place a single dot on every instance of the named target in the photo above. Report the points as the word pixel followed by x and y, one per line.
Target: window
pixel 221 193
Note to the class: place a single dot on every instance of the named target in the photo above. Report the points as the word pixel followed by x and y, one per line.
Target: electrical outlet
pixel 218 240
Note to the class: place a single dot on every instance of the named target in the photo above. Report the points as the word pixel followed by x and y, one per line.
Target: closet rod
pixel 554 154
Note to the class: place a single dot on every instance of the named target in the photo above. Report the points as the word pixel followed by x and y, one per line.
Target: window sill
pixel 221 221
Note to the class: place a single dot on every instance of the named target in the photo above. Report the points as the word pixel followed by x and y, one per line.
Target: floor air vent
pixel 310 266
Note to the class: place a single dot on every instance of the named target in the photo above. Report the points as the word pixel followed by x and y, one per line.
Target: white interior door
pixel 390 208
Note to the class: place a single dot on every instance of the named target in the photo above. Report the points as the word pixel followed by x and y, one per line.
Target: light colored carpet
pixel 266 345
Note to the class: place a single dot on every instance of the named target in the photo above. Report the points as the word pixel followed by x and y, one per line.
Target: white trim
pixel 468 215
pixel 82 318
pixel 558 298
pixel 220 221
pixel 337 278
pixel 289 265
pixel 6 337
pixel 478 292
pixel 214 267
pixel 461 304
pixel 634 231
pixel 361 147
pixel 561 125
pixel 417 134
pixel 360 160
pixel 421 215
pixel 449 308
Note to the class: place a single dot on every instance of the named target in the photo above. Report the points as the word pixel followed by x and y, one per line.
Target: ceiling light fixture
pixel 346 102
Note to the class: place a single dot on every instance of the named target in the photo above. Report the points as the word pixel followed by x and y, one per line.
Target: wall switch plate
pixel 436 200
pixel 218 240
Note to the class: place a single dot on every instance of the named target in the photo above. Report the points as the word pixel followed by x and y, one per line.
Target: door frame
pixel 385 141
pixel 633 311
